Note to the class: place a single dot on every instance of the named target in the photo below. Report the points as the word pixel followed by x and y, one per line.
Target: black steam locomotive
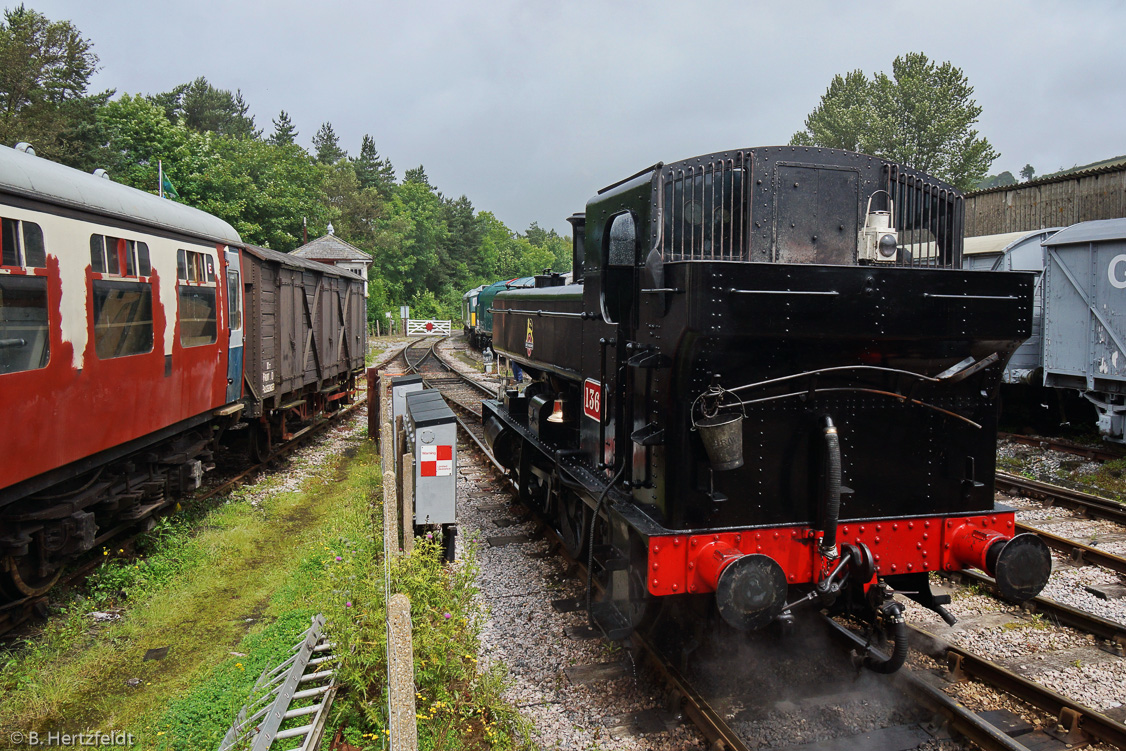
pixel 770 386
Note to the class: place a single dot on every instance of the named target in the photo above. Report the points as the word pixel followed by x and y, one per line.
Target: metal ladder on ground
pixel 259 723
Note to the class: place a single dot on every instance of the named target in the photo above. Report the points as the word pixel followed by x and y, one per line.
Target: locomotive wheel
pixel 20 578
pixel 572 521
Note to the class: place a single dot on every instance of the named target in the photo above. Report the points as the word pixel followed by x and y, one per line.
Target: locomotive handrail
pixel 735 291
pixel 820 371
pixel 537 313
pixel 971 297
pixel 857 389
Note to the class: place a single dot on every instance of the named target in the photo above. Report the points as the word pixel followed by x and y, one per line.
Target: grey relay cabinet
pixel 400 387
pixel 431 431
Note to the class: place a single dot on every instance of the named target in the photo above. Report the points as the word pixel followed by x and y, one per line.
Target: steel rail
pixel 1060 613
pixel 1077 551
pixel 1092 505
pixel 980 731
pixel 1093 453
pixel 1071 714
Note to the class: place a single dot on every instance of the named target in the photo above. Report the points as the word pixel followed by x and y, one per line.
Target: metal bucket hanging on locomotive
pixel 722 435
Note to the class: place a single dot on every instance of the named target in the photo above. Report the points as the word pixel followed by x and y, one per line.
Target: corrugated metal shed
pixel 1086 195
pixel 41 179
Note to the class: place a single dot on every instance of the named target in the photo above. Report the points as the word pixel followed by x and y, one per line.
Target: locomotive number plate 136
pixel 592 399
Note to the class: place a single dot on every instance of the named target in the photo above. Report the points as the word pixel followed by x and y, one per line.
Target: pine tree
pixel 373 171
pixel 417 175
pixel 326 145
pixel 284 131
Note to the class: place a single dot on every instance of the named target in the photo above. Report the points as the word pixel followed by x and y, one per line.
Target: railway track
pixel 1102 453
pixel 1082 724
pixel 16 613
pixel 1090 506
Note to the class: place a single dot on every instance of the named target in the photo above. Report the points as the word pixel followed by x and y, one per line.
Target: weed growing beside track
pixel 229 590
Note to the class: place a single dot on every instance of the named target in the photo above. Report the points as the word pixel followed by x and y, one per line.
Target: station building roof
pixel 331 248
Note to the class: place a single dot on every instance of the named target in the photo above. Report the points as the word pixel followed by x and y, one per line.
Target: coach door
pixel 234 319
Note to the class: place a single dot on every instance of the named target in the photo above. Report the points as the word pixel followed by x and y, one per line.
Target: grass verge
pixel 229 591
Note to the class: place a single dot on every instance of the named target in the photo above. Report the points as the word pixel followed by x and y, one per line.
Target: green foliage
pixel 1027 172
pixel 284 131
pixel 458 707
pixel 45 68
pixel 922 116
pixel 1004 179
pixel 372 171
pixel 206 109
pixel 200 717
pixel 326 145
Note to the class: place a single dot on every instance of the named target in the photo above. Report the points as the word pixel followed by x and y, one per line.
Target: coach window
pixel 123 322
pixel 197 297
pixel 31 253
pixel 25 341
pixel 113 255
pixel 24 332
pixel 234 300
pixel 122 318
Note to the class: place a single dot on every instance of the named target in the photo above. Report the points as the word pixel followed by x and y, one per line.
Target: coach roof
pixel 1094 231
pixel 34 177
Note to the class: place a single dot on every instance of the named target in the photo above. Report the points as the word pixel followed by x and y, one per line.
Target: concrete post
pixel 407 499
pixel 390 514
pixel 386 452
pixel 400 668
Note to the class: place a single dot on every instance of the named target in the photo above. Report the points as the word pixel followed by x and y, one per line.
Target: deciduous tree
pixel 922 116
pixel 45 70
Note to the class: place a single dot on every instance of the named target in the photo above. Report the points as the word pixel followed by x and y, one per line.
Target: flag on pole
pixel 165 186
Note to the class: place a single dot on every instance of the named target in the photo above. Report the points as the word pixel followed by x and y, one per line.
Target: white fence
pixel 426 327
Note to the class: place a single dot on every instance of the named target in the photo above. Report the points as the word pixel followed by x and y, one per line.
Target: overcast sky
pixel 528 106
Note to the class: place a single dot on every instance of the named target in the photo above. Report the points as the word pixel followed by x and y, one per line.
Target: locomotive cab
pixel 775 387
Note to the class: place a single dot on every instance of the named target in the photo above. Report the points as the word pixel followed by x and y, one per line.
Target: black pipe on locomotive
pixel 770 386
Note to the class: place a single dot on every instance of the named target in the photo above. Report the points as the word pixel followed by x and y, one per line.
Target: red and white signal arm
pixel 436 461
pixel 592 399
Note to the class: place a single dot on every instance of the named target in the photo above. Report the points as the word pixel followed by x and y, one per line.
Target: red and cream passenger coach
pixel 122 338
